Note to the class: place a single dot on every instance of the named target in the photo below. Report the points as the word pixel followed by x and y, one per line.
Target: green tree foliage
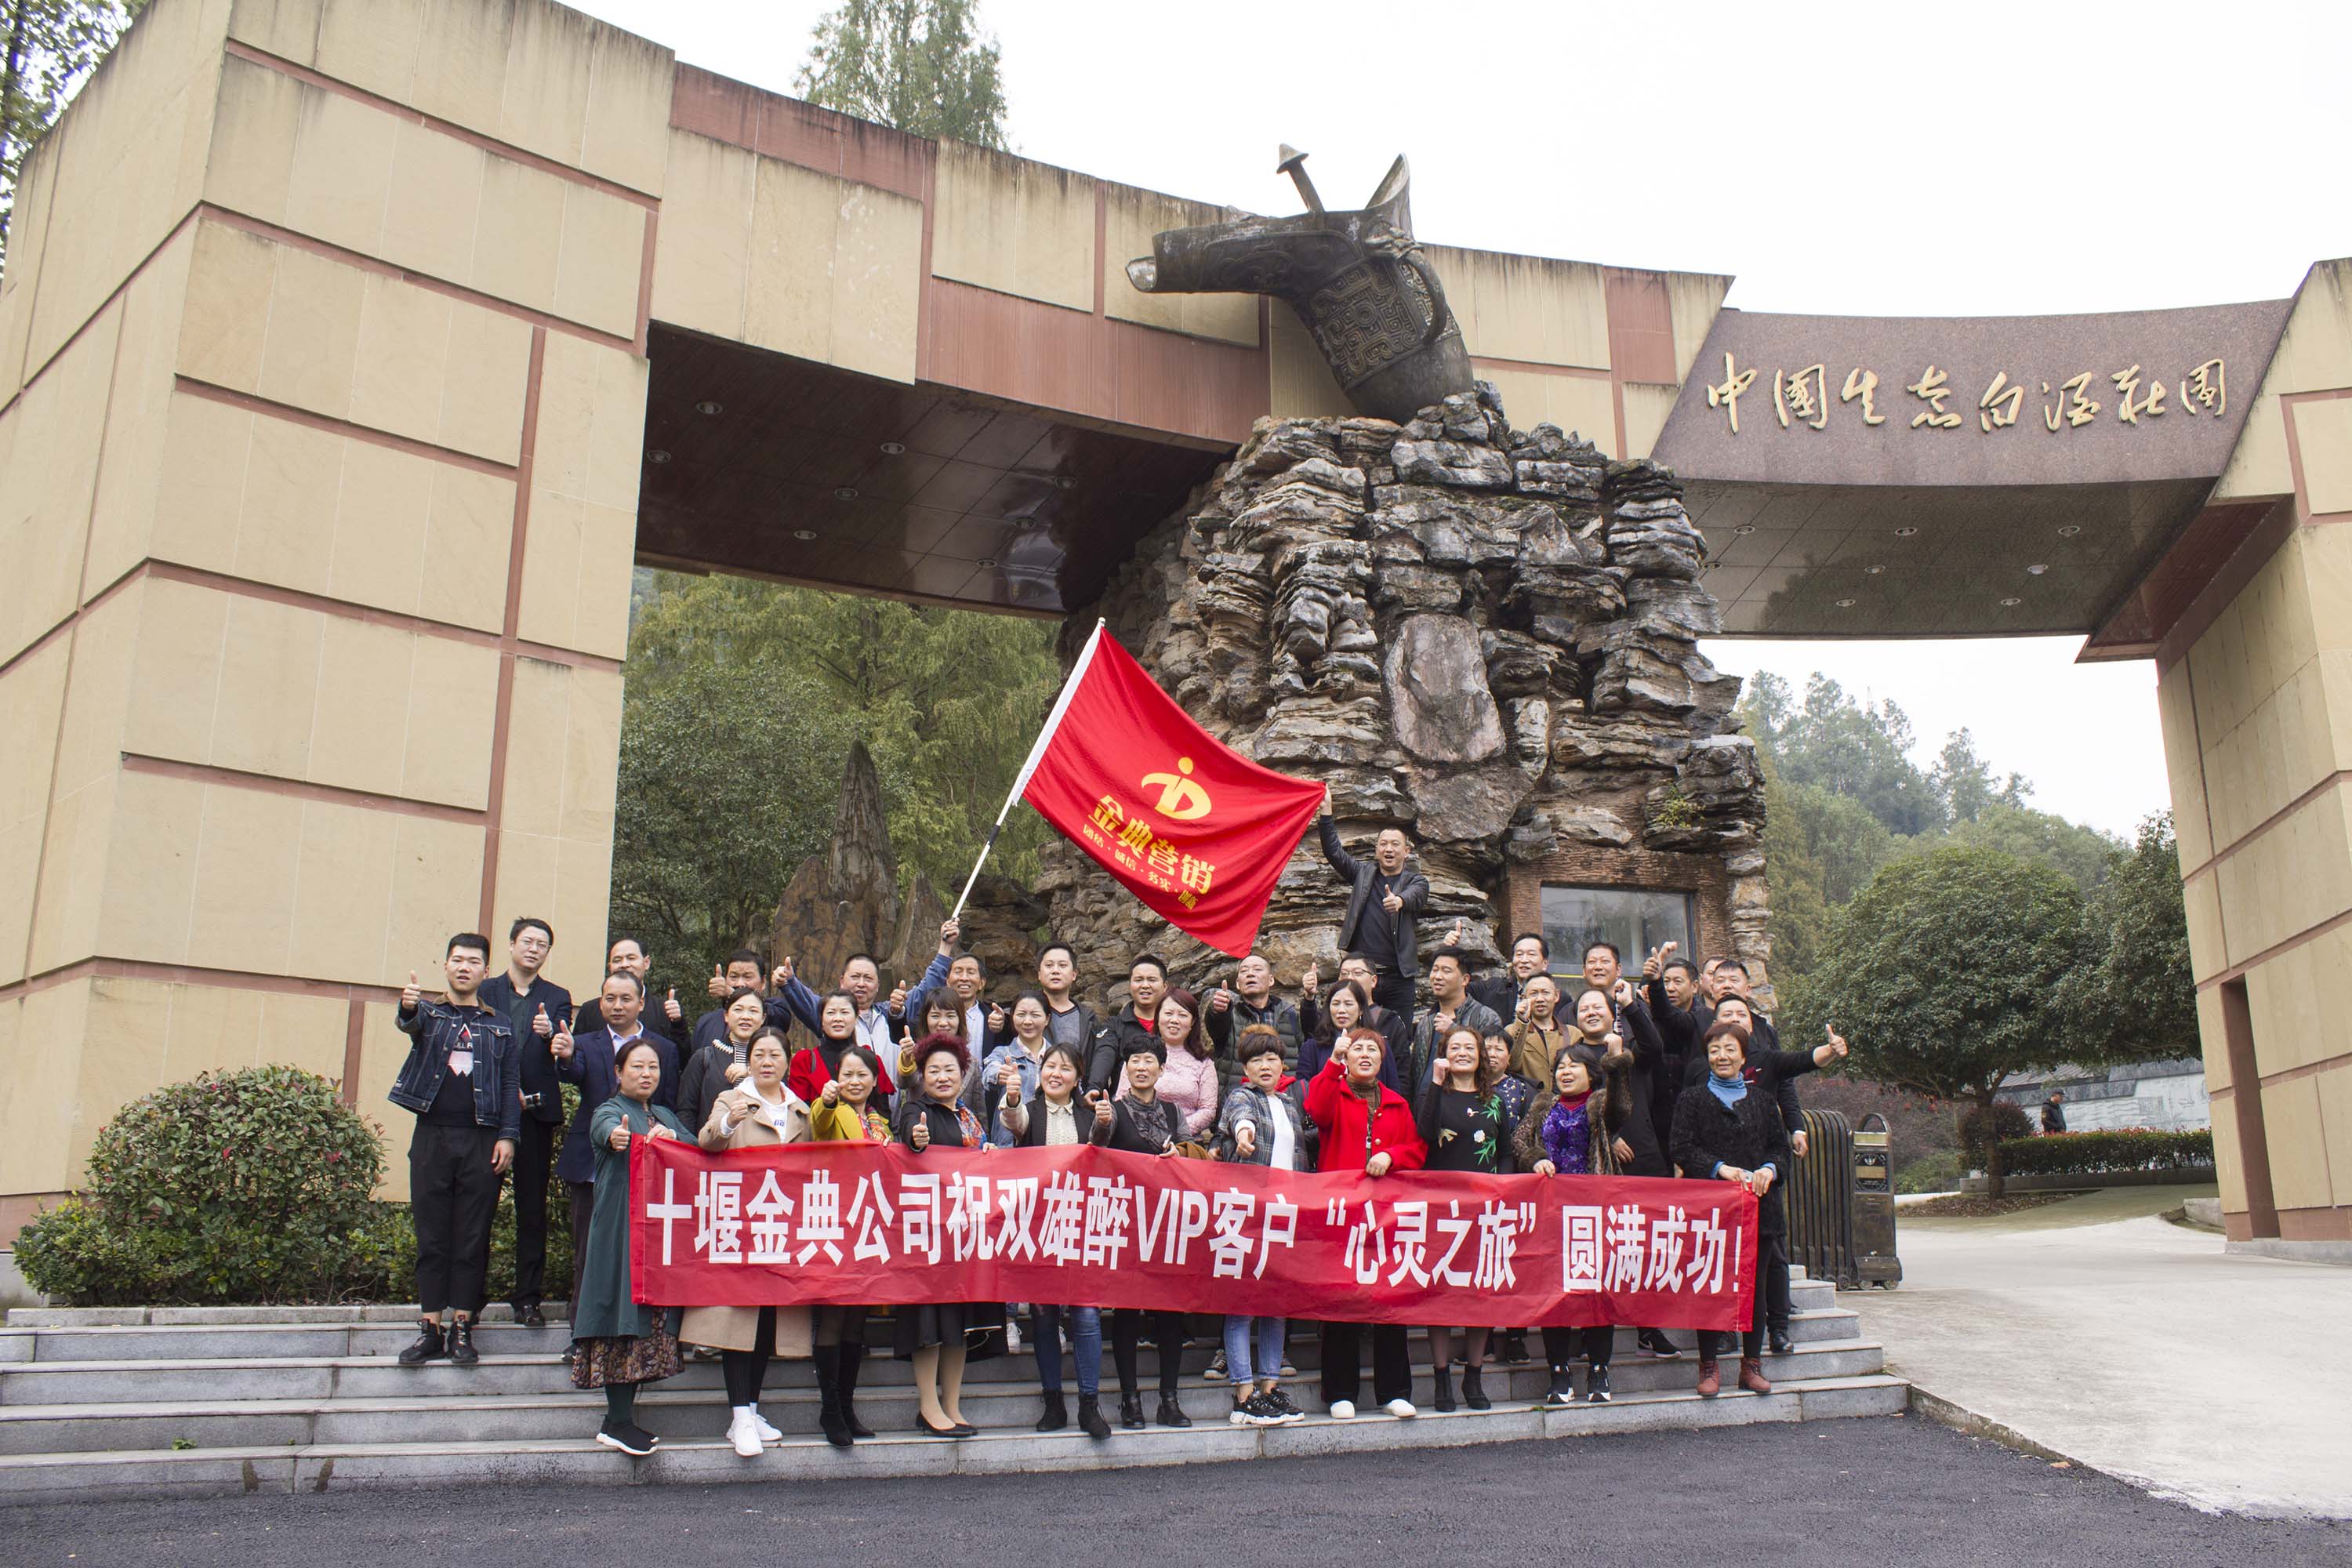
pixel 1860 751
pixel 919 65
pixel 1949 971
pixel 53 46
pixel 742 700
pixel 1963 781
pixel 2143 1002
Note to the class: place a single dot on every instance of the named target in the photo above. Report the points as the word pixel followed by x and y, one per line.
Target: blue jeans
pixel 1239 1364
pixel 1086 1339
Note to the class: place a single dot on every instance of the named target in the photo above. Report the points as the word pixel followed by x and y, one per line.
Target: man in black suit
pixel 665 1015
pixel 537 1007
pixel 587 1060
pixel 1385 896
pixel 1530 956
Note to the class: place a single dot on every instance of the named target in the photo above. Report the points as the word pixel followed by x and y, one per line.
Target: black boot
pixel 1130 1411
pixel 1781 1343
pixel 1443 1399
pixel 853 1355
pixel 461 1343
pixel 1057 1415
pixel 428 1345
pixel 1515 1347
pixel 1170 1412
pixel 1473 1392
pixel 1090 1417
pixel 829 1418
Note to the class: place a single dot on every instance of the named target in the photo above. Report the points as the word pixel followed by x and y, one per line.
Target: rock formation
pixel 1485 636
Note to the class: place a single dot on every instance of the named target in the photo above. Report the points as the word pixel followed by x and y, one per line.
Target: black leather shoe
pixel 1781 1343
pixel 1170 1412
pixel 428 1346
pixel 461 1343
pixel 1130 1412
pixel 531 1317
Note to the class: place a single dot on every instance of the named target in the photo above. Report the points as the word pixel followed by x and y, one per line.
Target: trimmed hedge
pixel 2098 1153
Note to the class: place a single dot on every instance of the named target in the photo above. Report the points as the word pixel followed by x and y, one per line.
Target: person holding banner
pixel 1141 1122
pixel 1363 1124
pixel 1460 1118
pixel 1052 1117
pixel 845 1112
pixel 1575 1129
pixel 1729 1129
pixel 618 1344
pixel 932 1335
pixel 1261 1125
pixel 759 1112
pixel 1517 1094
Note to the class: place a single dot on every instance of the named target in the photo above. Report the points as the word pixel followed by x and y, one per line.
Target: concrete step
pixel 407 1412
pixel 449 1459
pixel 304 1331
pixel 141 1379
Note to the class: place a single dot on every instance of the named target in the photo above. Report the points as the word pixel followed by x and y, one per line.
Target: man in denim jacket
pixel 463 1079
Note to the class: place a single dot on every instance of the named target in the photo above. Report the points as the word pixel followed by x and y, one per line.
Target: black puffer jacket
pixel 1708 1133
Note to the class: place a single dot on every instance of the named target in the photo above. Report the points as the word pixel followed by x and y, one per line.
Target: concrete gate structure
pixel 354 352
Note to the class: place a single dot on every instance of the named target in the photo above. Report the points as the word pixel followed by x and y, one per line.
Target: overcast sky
pixel 1937 159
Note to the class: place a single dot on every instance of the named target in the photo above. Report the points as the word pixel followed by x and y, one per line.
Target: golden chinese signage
pixel 1800 397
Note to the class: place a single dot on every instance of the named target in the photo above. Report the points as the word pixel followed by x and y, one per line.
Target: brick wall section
pixel 1599 866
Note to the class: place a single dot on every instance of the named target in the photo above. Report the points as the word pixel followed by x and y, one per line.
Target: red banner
pixel 867 1224
pixel 1196 830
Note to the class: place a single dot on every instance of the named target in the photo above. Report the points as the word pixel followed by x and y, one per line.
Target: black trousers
pixel 1394 991
pixel 747 1371
pixel 1711 1344
pixel 583 1209
pixel 1772 1262
pixel 1343 1372
pixel 452 1194
pixel 1127 1324
pixel 1562 1346
pixel 534 1160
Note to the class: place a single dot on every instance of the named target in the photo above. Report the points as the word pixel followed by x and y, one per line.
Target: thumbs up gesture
pixel 919 1136
pixel 559 1045
pixel 1008 1076
pixel 1101 1103
pixel 996 1016
pixel 409 994
pixel 671 1009
pixel 541 1025
pixel 717 985
pixel 781 975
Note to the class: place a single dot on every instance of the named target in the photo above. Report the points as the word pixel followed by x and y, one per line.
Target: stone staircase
pixel 184 1402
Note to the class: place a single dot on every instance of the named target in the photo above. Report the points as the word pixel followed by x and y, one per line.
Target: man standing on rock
pixel 1385 897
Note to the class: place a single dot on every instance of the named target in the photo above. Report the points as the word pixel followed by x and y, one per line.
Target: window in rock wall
pixel 1635 919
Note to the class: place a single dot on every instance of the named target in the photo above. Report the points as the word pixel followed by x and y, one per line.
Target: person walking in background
pixel 2054 1113
pixel 1385 896
pixel 461 1079
pixel 1729 1130
pixel 535 1007
pixel 759 1112
pixel 1261 1125
pixel 1363 1125
pixel 845 1110
pixel 1056 1117
pixel 1460 1118
pixel 618 1345
pixel 1575 1127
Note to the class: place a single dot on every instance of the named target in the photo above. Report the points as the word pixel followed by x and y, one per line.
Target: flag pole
pixel 1036 756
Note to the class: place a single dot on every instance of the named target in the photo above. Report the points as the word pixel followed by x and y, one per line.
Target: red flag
pixel 1193 828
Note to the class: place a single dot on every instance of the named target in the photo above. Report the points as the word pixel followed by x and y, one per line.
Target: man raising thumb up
pixel 541 1013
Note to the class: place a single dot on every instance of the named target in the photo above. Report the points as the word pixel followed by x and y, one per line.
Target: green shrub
pixel 2008 1122
pixel 2099 1153
pixel 1935 1172
pixel 249 1186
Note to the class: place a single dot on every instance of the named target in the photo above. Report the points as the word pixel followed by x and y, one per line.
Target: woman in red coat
pixel 1365 1126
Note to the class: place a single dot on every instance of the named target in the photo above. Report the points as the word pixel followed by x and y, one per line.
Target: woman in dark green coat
pixel 618 1344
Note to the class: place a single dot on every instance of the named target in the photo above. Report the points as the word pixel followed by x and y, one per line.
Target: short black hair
pixel 1140 959
pixel 1461 960
pixel 1361 956
pixel 1148 1045
pixel 866 956
pixel 860 1054
pixel 525 923
pixel 770 1032
pixel 744 955
pixel 472 939
pixel 624 974
pixel 739 994
pixel 1614 956
pixel 1685 964
pixel 1256 1041
pixel 1058 945
pixel 963 954
pixel 617 938
pixel 1734 964
pixel 1536 937
pixel 641 1043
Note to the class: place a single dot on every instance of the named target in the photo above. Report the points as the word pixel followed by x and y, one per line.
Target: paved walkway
pixel 2134 1345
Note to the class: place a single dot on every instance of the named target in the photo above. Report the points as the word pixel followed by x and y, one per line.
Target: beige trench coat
pixel 732 1328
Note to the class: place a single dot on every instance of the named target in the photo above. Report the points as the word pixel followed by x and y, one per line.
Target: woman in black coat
pixel 1729 1130
pixel 934 1335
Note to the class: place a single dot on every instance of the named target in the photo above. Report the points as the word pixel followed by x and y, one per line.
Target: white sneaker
pixel 1401 1409
pixel 745 1435
pixel 1011 1335
pixel 1343 1410
pixel 760 1422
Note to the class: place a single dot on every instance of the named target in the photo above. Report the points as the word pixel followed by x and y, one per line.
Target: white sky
pixel 1863 159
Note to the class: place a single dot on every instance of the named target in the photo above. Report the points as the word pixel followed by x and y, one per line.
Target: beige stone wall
pixel 324 401
pixel 2258 742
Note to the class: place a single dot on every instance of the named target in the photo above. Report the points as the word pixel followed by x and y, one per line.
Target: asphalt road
pixel 1866 1492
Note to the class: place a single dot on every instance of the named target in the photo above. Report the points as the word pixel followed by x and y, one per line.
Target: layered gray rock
pixel 1485 637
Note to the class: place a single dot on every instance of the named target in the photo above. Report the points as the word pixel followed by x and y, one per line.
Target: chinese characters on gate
pixel 1802 398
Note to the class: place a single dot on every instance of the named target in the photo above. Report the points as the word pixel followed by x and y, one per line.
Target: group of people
pixel 1677 1074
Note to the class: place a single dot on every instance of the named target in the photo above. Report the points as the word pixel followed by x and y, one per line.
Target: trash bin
pixel 1874 1261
